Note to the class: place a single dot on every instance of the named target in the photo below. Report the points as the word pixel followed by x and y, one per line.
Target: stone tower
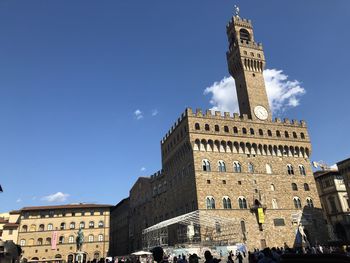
pixel 246 63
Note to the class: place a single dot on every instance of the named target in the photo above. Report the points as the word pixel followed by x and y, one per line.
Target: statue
pixel 236 9
pixel 80 239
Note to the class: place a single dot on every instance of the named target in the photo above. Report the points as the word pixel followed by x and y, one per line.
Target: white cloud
pixel 154 112
pixel 138 114
pixel 282 93
pixel 143 169
pixel 334 167
pixel 57 197
pixel 18 200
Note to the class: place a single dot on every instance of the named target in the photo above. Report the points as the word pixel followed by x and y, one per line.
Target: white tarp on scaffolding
pixel 195 227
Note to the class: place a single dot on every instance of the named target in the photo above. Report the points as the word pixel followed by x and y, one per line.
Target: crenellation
pixel 277 120
pixel 199 112
pixel 189 112
pixel 244 117
pixel 286 121
pixel 217 114
pixel 227 115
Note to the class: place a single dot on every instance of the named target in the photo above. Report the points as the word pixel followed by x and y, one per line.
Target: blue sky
pixel 73 74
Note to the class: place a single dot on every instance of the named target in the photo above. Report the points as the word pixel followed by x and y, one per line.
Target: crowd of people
pixel 267 255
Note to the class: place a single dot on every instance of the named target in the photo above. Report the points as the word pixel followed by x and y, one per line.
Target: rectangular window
pixel 10 231
pixel 278 222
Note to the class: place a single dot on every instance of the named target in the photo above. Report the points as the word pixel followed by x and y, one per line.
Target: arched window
pixel 24 228
pixel 278 133
pixel 294 187
pixel 226 129
pixel 226 202
pixel 302 169
pixel 91 224
pixel 252 131
pixel 309 202
pixel 72 225
pixel 286 134
pixel 100 237
pixel 250 168
pixel 40 241
pixel 32 228
pixel 302 135
pixel 61 240
pixel 274 204
pixel 237 168
pixel 63 226
pixel 41 227
pixel 206 127
pixel 196 126
pixel 48 241
pixel 295 135
pixel 31 242
pixel 91 238
pixel 244 34
pixel 22 243
pixel 306 187
pixel 217 128
pixel 206 165
pixel 221 166
pixel 210 202
pixel 272 186
pixel 244 130
pixel 268 169
pixel 290 169
pixel 82 225
pixel 297 203
pixel 235 130
pixel 71 239
pixel 242 202
pixel 269 133
pixel 261 133
pixel 100 224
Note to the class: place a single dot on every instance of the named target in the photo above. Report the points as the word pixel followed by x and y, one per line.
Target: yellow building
pixel 9 223
pixel 49 233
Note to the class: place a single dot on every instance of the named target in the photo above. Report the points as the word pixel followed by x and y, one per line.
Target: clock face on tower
pixel 261 113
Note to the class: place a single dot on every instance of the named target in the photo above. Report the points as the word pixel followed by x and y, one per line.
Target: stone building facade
pixel 248 166
pixel 344 170
pixel 49 232
pixel 119 229
pixel 335 202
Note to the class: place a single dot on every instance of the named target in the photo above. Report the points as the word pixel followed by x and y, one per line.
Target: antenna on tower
pixel 236 10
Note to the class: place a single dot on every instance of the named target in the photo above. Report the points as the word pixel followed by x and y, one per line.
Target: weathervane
pixel 236 10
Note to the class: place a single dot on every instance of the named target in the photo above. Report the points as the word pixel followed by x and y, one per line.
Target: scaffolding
pixel 200 227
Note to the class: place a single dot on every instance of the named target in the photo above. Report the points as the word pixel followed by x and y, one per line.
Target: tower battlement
pixel 236 20
pixel 219 115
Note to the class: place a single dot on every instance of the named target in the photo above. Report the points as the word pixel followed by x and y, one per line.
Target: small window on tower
pixel 244 130
pixel 259 56
pixel 217 128
pixel 245 52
